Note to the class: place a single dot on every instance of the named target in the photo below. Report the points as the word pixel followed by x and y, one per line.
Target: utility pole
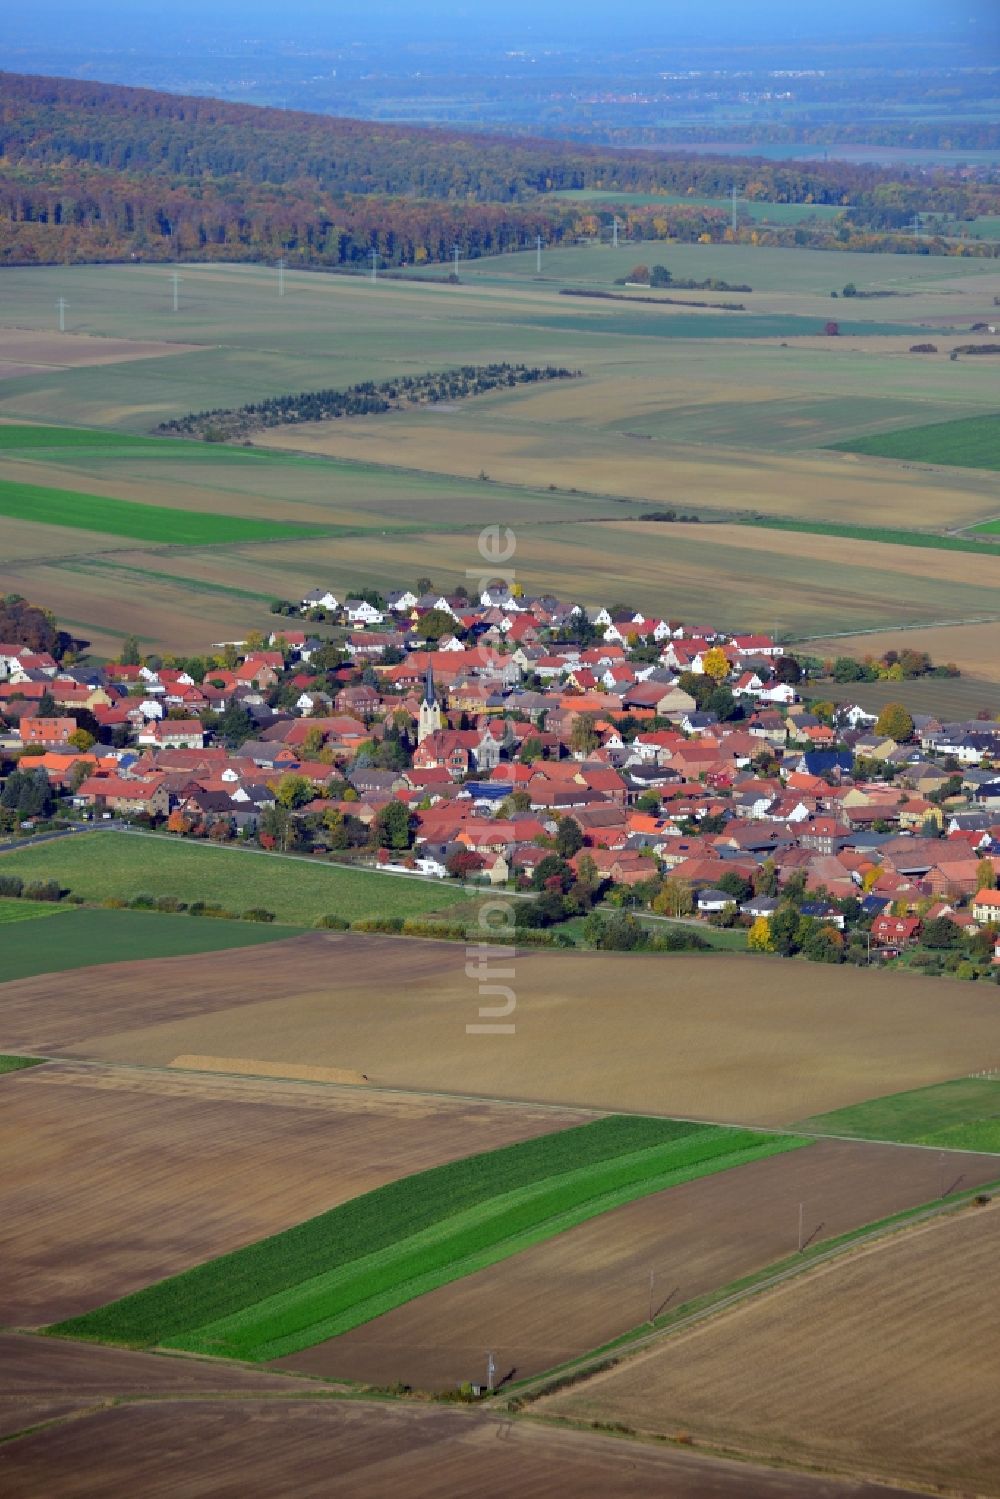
pixel 374 264
pixel 175 277
pixel 615 231
pixel 801 1225
pixel 281 277
pixel 538 255
pixel 62 304
pixel 734 207
pixel 491 1370
pixel 456 250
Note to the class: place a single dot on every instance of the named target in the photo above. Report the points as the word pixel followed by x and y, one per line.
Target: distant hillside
pixel 92 171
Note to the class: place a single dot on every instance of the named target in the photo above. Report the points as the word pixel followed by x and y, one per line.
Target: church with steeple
pixel 430 709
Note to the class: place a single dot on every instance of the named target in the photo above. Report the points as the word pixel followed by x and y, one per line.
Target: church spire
pixel 429 684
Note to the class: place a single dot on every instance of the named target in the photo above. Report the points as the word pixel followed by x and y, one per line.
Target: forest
pixel 92 171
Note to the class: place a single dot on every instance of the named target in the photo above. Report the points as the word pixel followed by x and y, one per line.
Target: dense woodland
pixel 92 171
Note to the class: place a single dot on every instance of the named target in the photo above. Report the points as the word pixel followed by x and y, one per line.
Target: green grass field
pixel 12 911
pixel 106 865
pixel 962 1115
pixel 139 522
pixel 377 1251
pixel 970 442
pixel 79 937
pixel 18 1064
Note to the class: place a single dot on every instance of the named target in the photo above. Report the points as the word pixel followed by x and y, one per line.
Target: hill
pixel 93 171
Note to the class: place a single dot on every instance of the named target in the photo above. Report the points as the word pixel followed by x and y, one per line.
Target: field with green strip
pixel 112 865
pixel 12 911
pixel 347 1266
pixel 78 937
pixel 885 534
pixel 156 523
pixel 970 442
pixel 18 1064
pixel 961 1115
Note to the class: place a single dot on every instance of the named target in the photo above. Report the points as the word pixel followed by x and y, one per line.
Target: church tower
pixel 430 709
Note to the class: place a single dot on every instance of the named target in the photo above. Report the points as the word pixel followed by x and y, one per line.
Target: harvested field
pixel 883 1363
pixel 709 1036
pixel 67 351
pixel 341 1268
pixel 133 1175
pixel 41 1379
pixel 975 649
pixel 579 1291
pixel 334 1449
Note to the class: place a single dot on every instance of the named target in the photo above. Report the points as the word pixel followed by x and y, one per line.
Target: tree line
pixel 367 398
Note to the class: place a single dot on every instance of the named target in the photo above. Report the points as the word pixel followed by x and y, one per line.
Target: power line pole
pixel 62 304
pixel 281 277
pixel 456 250
pixel 615 231
pixel 175 277
pixel 491 1370
pixel 374 264
pixel 538 255
pixel 734 207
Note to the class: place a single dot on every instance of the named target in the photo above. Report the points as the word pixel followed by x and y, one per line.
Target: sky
pixel 475 22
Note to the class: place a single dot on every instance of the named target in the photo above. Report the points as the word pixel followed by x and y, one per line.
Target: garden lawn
pixel 153 523
pixel 80 938
pixel 961 1115
pixel 377 1251
pixel 112 865
pixel 969 442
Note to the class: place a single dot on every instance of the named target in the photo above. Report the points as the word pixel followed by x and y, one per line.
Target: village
pixel 656 779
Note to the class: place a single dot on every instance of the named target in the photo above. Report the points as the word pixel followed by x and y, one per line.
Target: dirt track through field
pixel 330 1449
pixel 884 1362
pixel 709 1036
pixel 41 1378
pixel 115 1178
pixel 576 1292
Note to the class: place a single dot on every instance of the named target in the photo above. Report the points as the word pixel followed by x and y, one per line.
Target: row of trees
pixel 365 399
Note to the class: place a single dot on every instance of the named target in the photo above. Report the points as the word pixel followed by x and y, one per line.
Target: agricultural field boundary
pixel 266 1300
pixel 702 1308
pixel 942 444
pixel 876 534
pixel 77 511
pixel 18 1064
pixel 962 1115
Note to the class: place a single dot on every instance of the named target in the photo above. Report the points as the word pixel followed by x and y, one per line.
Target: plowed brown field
pixel 41 1379
pixel 576 1292
pixel 709 1036
pixel 332 1449
pixel 115 1178
pixel 883 1363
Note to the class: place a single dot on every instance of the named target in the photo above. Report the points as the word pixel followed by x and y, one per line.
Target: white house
pixel 320 598
pixel 360 612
